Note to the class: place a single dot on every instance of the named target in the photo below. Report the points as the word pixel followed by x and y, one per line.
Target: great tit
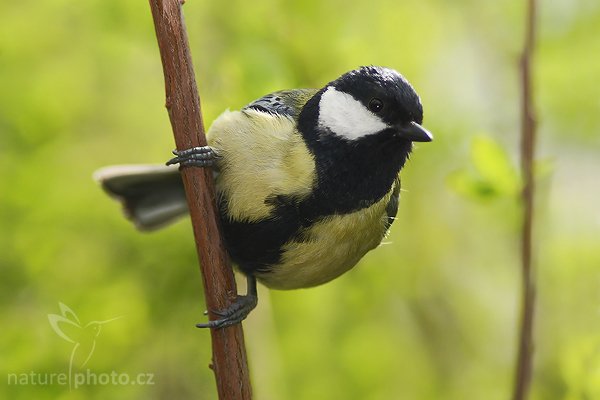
pixel 307 179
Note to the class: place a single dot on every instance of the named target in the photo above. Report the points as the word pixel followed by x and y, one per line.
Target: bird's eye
pixel 375 105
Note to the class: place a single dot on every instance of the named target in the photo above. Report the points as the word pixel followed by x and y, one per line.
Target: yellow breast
pixel 329 248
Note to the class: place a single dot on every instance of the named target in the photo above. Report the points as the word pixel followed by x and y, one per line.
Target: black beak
pixel 414 132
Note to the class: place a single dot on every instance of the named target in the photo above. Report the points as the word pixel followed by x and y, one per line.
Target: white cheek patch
pixel 347 117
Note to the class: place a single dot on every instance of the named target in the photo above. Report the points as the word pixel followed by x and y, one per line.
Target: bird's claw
pixel 234 314
pixel 203 156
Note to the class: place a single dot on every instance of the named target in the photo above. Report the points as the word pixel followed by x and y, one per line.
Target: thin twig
pixel 528 139
pixel 229 361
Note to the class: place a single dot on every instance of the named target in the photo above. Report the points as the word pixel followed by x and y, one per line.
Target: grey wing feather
pixel 285 102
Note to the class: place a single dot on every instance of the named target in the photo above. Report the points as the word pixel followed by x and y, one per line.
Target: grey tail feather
pixel 152 195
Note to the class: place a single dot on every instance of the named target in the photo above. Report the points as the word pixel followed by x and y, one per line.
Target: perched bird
pixel 306 179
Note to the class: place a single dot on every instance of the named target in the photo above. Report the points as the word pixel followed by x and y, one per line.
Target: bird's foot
pixel 234 314
pixel 204 156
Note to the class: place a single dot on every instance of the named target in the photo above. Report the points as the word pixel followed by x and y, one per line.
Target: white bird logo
pixel 82 336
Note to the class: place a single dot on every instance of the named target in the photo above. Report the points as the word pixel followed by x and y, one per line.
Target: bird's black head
pixel 372 100
pixel 360 128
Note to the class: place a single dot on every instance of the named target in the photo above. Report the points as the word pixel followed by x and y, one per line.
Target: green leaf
pixel 490 174
pixel 493 165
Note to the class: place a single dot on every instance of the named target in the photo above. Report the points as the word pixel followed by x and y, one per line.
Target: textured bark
pixel 229 362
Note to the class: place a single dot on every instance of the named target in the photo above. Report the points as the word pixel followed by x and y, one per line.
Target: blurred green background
pixel 429 315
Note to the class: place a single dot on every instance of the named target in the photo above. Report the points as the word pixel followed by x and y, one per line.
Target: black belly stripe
pixel 257 246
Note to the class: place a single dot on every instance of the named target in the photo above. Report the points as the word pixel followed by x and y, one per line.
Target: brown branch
pixel 528 136
pixel 183 103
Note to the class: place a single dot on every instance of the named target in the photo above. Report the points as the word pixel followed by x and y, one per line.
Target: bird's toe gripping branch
pixel 238 311
pixel 204 156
